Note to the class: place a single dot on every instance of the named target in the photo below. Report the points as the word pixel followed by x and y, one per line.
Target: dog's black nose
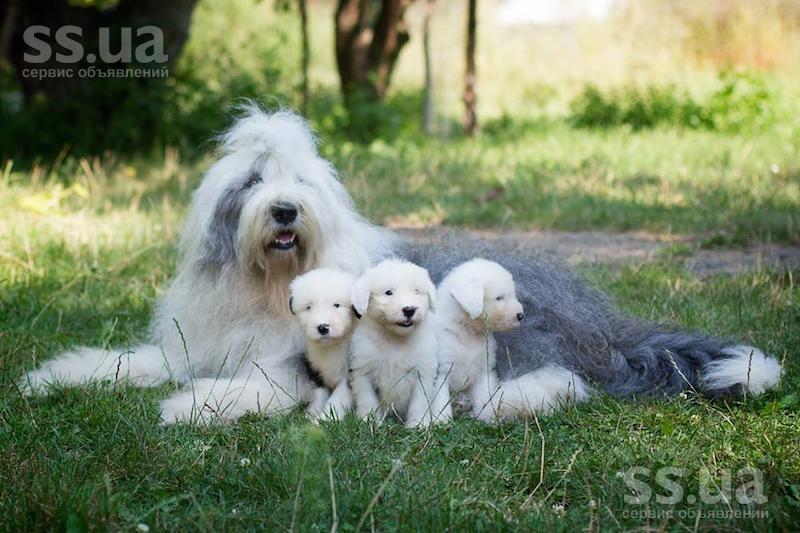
pixel 323 329
pixel 408 312
pixel 284 213
pixel 520 316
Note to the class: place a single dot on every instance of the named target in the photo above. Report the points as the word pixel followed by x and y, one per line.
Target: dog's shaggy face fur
pixel 395 293
pixel 486 293
pixel 320 301
pixel 273 209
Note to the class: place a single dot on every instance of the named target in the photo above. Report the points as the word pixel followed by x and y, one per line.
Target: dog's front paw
pixel 182 409
pixel 419 422
pixel 334 411
pixel 445 417
pixel 317 405
pixel 487 414
pixel 371 417
pixel 326 415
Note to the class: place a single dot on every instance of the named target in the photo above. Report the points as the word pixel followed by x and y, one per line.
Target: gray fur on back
pixel 570 323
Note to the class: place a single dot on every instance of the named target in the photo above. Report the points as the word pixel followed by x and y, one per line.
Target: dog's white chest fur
pixel 330 361
pixel 394 364
pixel 464 355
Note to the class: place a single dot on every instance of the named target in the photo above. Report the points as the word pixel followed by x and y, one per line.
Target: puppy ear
pixel 291 310
pixel 469 295
pixel 359 295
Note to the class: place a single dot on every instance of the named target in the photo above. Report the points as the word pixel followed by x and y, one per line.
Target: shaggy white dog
pixel 320 302
pixel 476 299
pixel 269 209
pixel 393 365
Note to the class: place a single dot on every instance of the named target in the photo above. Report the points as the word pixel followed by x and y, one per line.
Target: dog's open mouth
pixel 407 323
pixel 284 240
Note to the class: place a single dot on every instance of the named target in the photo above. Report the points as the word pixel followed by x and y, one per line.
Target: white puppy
pixel 320 302
pixel 476 299
pixel 393 366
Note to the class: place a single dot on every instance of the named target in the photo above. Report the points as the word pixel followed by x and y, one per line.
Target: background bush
pixel 742 101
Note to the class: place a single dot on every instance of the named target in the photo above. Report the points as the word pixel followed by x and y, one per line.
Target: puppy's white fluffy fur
pixel 320 302
pixel 476 299
pixel 393 366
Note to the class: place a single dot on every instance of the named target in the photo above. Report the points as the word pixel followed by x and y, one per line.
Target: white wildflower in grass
pixel 200 446
pixel 464 462
pixel 559 508
pixel 244 461
pixel 144 528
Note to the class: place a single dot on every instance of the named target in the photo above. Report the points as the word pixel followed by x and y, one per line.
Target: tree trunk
pixel 367 46
pixel 427 98
pixel 9 11
pixel 306 54
pixel 470 119
pixel 172 17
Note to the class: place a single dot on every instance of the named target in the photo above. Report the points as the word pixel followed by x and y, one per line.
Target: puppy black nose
pixel 323 329
pixel 284 213
pixel 408 312
pixel 520 316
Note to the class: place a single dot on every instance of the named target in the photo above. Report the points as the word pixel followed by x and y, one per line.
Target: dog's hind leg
pixel 441 406
pixel 420 405
pixel 484 395
pixel 274 391
pixel 143 366
pixel 366 399
pixel 339 403
pixel 541 391
pixel 319 399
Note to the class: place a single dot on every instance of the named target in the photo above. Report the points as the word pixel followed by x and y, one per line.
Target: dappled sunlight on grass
pixel 659 180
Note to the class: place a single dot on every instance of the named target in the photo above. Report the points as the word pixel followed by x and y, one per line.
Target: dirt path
pixel 637 247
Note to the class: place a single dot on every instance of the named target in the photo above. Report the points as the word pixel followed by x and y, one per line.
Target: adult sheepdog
pixel 271 208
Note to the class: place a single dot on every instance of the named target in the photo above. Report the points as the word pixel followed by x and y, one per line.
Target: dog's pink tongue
pixel 284 237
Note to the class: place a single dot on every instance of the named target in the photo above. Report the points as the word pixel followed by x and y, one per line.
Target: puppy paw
pixel 418 423
pixel 317 406
pixel 488 414
pixel 334 411
pixel 443 418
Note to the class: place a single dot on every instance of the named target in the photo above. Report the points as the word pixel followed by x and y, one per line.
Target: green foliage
pixel 742 101
pixel 368 119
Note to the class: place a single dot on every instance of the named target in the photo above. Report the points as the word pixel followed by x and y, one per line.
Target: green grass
pixel 83 264
pixel 722 187
pixel 551 176
pixel 97 456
